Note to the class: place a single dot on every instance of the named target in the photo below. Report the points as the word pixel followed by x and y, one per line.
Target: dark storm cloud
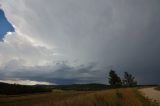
pixel 63 74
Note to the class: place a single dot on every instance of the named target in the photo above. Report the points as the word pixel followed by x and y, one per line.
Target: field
pixel 113 97
pixel 158 88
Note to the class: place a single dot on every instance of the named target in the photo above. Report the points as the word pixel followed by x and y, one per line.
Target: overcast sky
pixel 79 41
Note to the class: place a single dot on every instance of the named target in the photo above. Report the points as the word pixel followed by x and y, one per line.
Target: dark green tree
pixel 114 79
pixel 129 80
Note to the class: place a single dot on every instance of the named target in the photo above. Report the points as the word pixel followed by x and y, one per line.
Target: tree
pixel 129 80
pixel 114 79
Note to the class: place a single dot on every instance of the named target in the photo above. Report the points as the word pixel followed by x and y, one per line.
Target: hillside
pixel 12 89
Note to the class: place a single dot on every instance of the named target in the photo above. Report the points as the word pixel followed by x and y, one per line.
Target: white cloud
pixel 26 82
pixel 64 25
pixel 9 33
pixel 21 51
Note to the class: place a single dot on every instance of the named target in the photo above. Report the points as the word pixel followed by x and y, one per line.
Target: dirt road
pixel 151 93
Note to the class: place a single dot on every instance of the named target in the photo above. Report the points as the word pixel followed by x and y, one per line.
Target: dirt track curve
pixel 151 93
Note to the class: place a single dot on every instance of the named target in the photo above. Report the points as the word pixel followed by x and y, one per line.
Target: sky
pixel 79 41
pixel 5 26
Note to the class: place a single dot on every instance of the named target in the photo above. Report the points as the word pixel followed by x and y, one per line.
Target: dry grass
pixel 158 88
pixel 114 97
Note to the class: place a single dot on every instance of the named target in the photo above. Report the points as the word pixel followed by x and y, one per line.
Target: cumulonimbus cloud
pixel 118 33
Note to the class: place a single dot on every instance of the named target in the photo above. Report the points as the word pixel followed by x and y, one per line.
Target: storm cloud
pixel 79 41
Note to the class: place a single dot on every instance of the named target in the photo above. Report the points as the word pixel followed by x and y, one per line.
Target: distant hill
pixel 81 87
pixel 88 87
pixel 13 89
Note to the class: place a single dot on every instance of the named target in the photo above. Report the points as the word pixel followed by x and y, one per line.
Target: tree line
pixel 14 89
pixel 127 81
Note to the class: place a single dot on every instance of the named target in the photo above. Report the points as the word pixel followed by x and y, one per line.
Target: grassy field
pixel 158 88
pixel 113 97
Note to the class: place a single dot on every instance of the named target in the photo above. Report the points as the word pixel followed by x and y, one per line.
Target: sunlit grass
pixel 114 97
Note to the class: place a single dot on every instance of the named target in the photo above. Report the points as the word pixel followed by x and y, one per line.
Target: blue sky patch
pixel 5 26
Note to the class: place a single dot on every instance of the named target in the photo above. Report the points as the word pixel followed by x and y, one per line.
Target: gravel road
pixel 151 93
